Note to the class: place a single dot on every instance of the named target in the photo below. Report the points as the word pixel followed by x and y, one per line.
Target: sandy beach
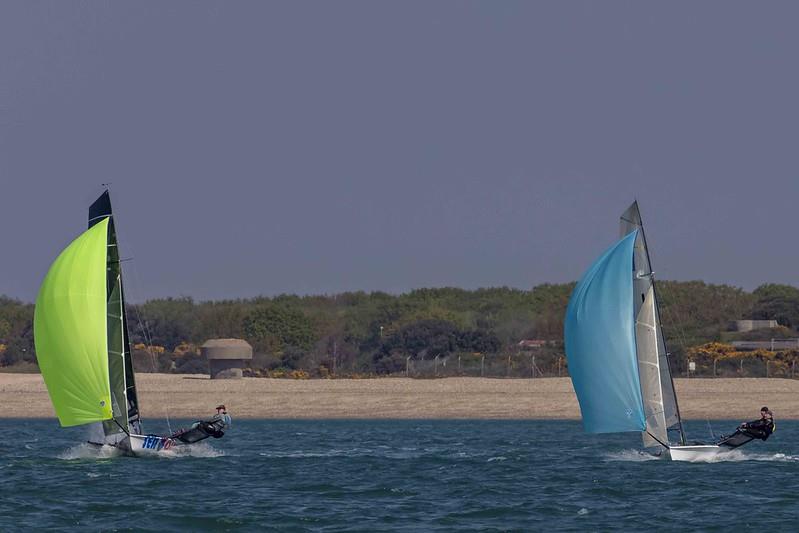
pixel 190 396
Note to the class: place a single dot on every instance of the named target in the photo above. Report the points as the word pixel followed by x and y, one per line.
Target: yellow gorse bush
pixel 143 347
pixel 720 351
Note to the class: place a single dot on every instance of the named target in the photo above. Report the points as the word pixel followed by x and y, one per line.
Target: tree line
pixel 378 333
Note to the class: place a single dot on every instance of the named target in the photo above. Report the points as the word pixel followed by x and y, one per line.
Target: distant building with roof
pixel 226 357
pixel 751 325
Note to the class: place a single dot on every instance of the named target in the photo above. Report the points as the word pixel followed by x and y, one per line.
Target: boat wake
pixel 89 451
pixel 198 450
pixel 93 452
pixel 634 456
pixel 731 456
pixel 739 455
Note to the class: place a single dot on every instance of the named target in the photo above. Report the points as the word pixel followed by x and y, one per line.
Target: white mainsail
pixel 646 340
pixel 660 402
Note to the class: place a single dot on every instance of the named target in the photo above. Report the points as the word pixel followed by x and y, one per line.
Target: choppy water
pixel 394 475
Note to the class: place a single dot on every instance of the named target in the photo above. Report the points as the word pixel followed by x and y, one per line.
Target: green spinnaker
pixel 69 328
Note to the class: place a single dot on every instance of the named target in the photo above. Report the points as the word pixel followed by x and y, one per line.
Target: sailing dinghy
pixel 617 355
pixel 82 342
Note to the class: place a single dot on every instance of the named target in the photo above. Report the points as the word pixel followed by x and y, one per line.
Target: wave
pixel 306 455
pixel 740 455
pixel 380 452
pixel 730 456
pixel 89 451
pixel 199 450
pixel 338 452
pixel 94 452
pixel 635 456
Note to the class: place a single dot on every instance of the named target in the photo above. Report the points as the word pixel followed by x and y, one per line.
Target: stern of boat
pixel 148 443
pixel 699 452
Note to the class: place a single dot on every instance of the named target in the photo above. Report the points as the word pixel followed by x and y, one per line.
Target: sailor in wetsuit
pixel 217 424
pixel 759 429
pixel 202 429
pixel 222 416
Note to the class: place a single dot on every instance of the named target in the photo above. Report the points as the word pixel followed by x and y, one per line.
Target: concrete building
pixel 226 357
pixel 750 325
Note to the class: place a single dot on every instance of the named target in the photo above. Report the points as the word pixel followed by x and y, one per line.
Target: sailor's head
pixel 764 412
pixel 221 408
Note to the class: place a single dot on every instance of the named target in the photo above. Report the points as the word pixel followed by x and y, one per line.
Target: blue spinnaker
pixel 599 334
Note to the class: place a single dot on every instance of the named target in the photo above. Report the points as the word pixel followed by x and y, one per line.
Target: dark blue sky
pixel 268 147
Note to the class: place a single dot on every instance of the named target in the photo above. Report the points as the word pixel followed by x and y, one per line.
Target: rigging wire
pixel 148 341
pixel 142 321
pixel 639 224
pixel 676 320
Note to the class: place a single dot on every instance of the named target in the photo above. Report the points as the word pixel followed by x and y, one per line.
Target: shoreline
pixel 194 396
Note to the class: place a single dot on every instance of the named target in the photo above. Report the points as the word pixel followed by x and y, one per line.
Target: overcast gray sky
pixel 316 147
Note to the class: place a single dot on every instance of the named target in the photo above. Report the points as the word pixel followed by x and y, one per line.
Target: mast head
pixel 630 219
pixel 100 209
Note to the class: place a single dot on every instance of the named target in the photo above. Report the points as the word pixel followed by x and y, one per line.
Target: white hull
pixel 134 445
pixel 138 444
pixel 700 452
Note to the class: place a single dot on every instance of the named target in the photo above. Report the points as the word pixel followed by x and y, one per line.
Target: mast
pixel 644 280
pixel 123 386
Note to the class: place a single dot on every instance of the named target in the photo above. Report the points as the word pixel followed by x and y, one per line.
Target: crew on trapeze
pixel 215 425
pixel 748 431
pixel 760 428
pixel 202 429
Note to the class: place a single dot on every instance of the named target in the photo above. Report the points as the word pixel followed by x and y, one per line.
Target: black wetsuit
pixel 759 429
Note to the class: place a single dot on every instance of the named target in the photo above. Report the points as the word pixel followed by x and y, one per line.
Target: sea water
pixel 394 475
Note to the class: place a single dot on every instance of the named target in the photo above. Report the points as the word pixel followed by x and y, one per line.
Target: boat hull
pixel 138 444
pixel 699 452
pixel 134 445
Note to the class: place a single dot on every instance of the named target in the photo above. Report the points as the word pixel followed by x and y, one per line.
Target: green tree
pixel 777 302
pixel 167 322
pixel 274 328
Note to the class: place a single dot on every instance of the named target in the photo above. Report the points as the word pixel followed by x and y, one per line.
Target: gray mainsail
pixel 646 340
pixel 660 400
